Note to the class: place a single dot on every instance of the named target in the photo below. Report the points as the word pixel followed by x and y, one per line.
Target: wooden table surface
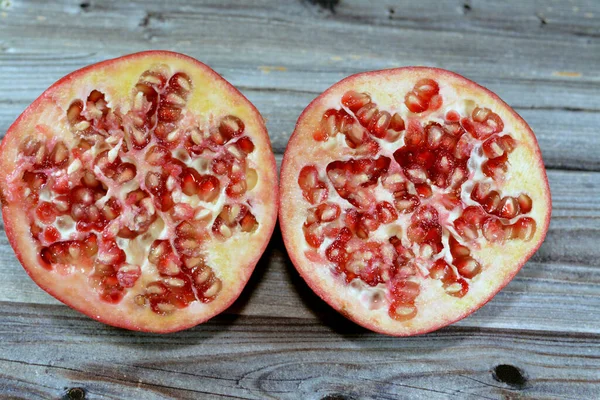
pixel 538 338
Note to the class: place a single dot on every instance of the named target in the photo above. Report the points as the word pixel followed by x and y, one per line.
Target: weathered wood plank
pixel 297 52
pixel 287 358
pixel 562 279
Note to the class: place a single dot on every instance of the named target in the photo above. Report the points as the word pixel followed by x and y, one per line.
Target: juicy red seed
pixel 508 207
pixel 458 288
pixel 46 212
pixel 158 155
pixel 34 180
pixel 355 100
pixel 230 127
pixel 440 271
pixel 405 291
pixel 181 83
pixel 474 215
pixel 379 124
pixel 495 167
pixel 524 229
pixel 396 123
pixel 467 267
pixel 366 114
pixel 328 212
pixel 414 133
pixel 248 223
pixel 402 311
pixel 313 235
pixel 452 116
pixel 494 230
pixel 169 113
pixel 235 188
pixel 456 249
pixel 466 230
pixel 51 234
pixel 426 88
pixel 492 202
pixel 128 275
pixel 525 203
pixel 386 212
pixel 423 190
pixel 245 144
pixel 406 203
pixel 414 103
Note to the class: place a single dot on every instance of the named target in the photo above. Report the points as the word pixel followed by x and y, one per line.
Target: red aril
pixel 439 195
pixel 140 191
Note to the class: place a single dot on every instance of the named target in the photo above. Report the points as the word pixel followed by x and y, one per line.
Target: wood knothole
pixel 511 375
pixel 75 393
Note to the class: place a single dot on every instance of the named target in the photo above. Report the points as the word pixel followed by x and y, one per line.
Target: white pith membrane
pixel 153 210
pixel 375 284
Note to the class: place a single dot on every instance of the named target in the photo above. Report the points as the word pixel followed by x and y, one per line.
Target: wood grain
pixel 547 73
pixel 279 340
pixel 288 358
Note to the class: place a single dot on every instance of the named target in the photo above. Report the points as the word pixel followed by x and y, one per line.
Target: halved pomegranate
pixel 140 191
pixel 409 197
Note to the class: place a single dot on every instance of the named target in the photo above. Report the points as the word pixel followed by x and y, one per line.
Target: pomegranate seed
pixel 355 100
pixel 128 274
pixel 491 202
pixel 386 212
pixel 328 212
pixel 366 114
pixel 440 270
pixel 423 190
pixel 51 234
pixel 406 203
pixel 495 168
pixel 426 88
pixel 245 144
pixel 396 123
pixel 59 156
pixel 414 103
pixel 467 267
pixel 379 124
pixel 508 207
pixel 181 83
pixel 452 116
pixel 456 249
pixel 524 229
pixel 414 133
pixel 494 230
pixel 157 155
pixel 525 203
pixel 248 223
pixel 405 291
pixel 458 288
pixel 46 212
pixel 402 312
pixel 434 133
pixel 74 112
pixel 213 289
pixel 466 231
pixel 230 127
pixel 125 173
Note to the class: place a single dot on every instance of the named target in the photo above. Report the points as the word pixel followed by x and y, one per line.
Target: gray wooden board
pixel 279 340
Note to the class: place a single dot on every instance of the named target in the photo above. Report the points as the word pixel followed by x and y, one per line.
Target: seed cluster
pixel 423 179
pixel 130 178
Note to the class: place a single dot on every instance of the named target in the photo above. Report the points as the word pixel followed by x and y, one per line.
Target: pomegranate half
pixel 410 196
pixel 140 191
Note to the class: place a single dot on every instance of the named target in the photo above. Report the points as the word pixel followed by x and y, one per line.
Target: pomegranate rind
pixel 233 260
pixel 502 260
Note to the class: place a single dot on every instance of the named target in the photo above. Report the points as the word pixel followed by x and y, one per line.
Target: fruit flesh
pixel 383 275
pixel 116 214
